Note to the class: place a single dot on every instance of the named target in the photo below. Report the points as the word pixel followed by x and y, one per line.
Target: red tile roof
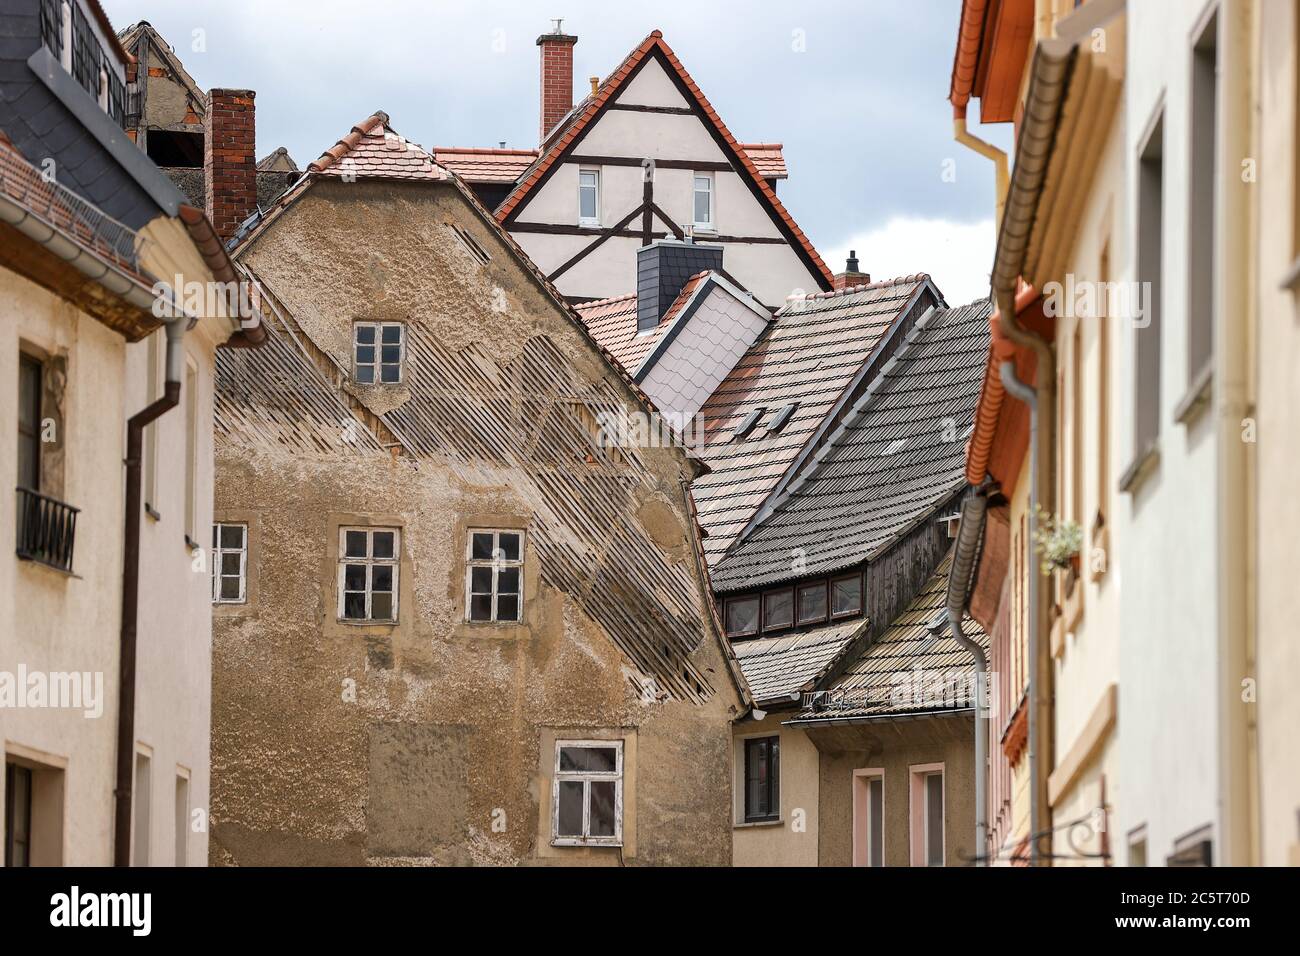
pixel 585 112
pixel 768 159
pixel 612 323
pixel 373 149
pixel 479 165
pixel 485 165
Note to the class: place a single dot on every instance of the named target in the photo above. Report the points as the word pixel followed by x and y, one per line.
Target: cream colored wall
pixel 1278 427
pixel 771 271
pixel 51 621
pixel 793 840
pixel 1087 659
pixel 174 670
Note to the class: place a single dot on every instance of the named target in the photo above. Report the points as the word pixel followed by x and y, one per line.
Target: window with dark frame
pixel 587 805
pixel 1201 232
pixel 229 563
pixel 494 573
pixel 846 595
pixel 762 779
pixel 18 815
pixel 368 568
pixel 378 352
pixel 30 377
pixel 812 602
pixel 1150 264
pixel 778 609
pixel 742 616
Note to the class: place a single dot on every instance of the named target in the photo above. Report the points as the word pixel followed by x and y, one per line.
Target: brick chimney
pixel 229 159
pixel 557 76
pixel 662 269
pixel 850 277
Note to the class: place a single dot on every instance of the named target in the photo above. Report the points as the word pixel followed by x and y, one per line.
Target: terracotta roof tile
pixel 374 149
pixel 476 165
pixel 768 159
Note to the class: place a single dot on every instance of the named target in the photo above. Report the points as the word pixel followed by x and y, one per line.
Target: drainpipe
pixel 1050 71
pixel 969 35
pixel 970 532
pixel 175 330
pixel 988 150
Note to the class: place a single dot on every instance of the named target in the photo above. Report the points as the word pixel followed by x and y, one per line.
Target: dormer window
pixel 747 424
pixel 67 32
pixel 589 197
pixel 703 201
pixel 378 350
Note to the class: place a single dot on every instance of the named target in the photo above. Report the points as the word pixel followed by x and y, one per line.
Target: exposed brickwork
pixel 849 280
pixel 556 57
pixel 229 159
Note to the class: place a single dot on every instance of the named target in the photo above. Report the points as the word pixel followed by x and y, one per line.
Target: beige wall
pixel 431 741
pixel 791 841
pixel 1278 359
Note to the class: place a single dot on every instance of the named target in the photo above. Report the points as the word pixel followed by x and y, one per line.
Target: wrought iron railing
pixel 47 529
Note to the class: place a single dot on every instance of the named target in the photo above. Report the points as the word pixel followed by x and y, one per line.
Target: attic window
pixel 476 251
pixel 378 349
pixel 781 416
pixel 747 424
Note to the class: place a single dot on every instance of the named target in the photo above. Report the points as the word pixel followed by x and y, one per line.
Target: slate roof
pixel 884 680
pixel 897 455
pixel 572 128
pixel 778 668
pixel 810 356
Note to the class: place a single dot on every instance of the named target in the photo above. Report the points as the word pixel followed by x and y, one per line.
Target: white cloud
pixel 958 256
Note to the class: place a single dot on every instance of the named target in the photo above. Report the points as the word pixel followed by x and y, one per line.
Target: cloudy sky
pixel 855 90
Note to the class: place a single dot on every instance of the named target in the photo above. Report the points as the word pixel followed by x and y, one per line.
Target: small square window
pixel 229 563
pixel 494 576
pixel 378 352
pixel 846 596
pixel 742 616
pixel 368 574
pixel 587 800
pixel 812 603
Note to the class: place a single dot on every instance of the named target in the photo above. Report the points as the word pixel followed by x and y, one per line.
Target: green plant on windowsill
pixel 1058 542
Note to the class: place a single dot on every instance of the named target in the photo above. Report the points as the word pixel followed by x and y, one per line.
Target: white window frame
pixel 496 563
pixel 560 776
pixel 588 220
pixel 371 563
pixel 217 551
pixel 919 815
pixel 862 841
pixel 712 223
pixel 378 364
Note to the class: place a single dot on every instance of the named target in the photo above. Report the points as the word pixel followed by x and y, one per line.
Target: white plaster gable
pixel 651 87
pixel 716 334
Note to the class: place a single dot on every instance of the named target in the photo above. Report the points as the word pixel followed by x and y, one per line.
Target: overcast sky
pixel 856 90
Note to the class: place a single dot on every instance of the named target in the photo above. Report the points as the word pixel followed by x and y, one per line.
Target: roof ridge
pixel 486 150
pixel 612 298
pixel 882 284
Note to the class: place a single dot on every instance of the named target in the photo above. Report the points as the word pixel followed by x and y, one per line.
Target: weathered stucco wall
pixel 431 741
pixel 896 747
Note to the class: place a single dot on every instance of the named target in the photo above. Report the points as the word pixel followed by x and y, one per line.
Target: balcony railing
pixel 47 529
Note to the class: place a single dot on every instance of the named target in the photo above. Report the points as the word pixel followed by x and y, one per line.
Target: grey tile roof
pixel 892 461
pixel 907 669
pixel 809 357
pixel 779 667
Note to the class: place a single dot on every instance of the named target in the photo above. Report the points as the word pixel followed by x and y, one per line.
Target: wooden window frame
pixel 586 777
pixel 830 593
pixel 218 550
pixel 370 562
pixel 35 362
pixel 496 563
pixel 758 620
pixel 377 365
pixel 773 744
pixel 762 610
pixel 12 770
pixel 798 605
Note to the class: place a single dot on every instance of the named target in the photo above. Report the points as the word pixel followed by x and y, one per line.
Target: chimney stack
pixel 557 76
pixel 850 277
pixel 662 269
pixel 229 160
